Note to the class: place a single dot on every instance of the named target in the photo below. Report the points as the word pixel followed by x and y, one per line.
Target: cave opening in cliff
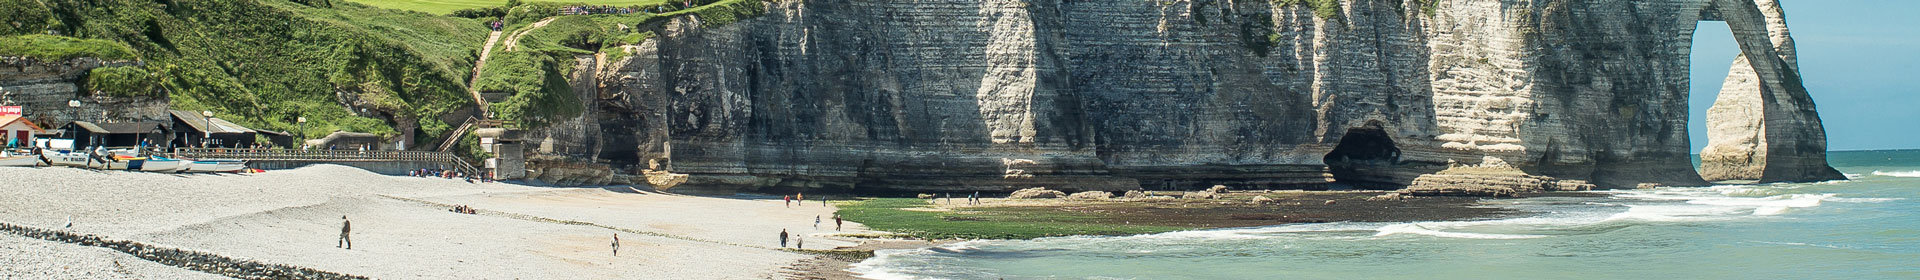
pixel 1362 158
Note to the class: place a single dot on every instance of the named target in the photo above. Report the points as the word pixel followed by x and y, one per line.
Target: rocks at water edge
pixel 1036 193
pixel 1091 195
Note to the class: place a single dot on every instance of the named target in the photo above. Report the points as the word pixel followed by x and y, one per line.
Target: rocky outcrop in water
pixel 998 95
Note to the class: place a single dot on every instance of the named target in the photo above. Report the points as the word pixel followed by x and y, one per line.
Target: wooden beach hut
pixel 197 130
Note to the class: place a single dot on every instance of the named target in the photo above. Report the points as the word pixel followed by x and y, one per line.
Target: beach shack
pixel 87 134
pixel 16 131
pixel 278 139
pixel 199 131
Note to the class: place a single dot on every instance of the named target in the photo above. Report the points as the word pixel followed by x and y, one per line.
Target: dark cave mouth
pixel 1363 157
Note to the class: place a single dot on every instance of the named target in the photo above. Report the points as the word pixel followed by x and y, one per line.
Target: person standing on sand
pixel 788 200
pixel 816 222
pixel 783 238
pixel 346 226
pixel 616 244
pixel 836 222
pixel 800 243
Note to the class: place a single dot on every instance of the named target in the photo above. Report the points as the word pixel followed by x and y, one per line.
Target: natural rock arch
pixel 1763 126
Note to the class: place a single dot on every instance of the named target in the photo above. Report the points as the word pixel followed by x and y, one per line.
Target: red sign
pixel 9 110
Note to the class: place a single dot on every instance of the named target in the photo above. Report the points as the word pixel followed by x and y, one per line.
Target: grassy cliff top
pixel 441 7
pixel 49 47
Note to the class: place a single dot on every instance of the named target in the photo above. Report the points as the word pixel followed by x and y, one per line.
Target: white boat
pixel 68 158
pixel 162 164
pixel 217 165
pixel 20 161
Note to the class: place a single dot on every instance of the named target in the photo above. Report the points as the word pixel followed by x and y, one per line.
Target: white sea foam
pixel 1854 176
pixel 1422 229
pixel 1862 199
pixel 883 265
pixel 1902 174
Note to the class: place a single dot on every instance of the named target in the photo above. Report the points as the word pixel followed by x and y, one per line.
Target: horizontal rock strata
pixel 999 95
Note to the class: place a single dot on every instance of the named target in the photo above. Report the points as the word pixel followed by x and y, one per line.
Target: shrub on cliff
pixel 23 17
pixel 122 81
pixel 49 47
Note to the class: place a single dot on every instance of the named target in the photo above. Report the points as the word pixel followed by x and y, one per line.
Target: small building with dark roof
pixel 278 139
pixel 87 134
pixel 197 131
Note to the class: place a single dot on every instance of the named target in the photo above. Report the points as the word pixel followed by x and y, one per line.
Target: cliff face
pixel 43 88
pixel 1106 95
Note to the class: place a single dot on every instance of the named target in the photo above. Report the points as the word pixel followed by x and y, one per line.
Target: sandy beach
pixel 402 228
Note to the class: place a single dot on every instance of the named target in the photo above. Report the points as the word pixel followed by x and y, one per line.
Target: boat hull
pixel 162 165
pixel 216 166
pixel 26 161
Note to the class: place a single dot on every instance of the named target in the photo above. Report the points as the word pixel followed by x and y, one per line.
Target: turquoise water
pixel 1867 228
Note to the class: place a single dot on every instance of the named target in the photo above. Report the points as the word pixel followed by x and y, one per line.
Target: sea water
pixel 1864 228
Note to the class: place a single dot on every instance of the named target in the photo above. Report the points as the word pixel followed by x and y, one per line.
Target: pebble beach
pixel 402 228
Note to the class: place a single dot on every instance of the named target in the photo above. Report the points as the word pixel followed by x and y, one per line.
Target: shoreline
pixel 1288 208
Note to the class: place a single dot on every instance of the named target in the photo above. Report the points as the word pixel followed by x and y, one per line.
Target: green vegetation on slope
pixel 894 215
pixel 534 73
pixel 264 63
pixel 441 7
pixel 122 81
pixel 23 17
pixel 1328 9
pixel 49 47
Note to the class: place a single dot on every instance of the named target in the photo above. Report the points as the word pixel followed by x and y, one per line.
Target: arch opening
pixel 1711 49
pixel 1363 158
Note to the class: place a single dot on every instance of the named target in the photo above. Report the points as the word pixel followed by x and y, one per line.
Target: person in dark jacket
pixel 346 227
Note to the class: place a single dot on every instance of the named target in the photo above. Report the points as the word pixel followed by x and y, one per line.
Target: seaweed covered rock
pixel 1091 195
pixel 1036 193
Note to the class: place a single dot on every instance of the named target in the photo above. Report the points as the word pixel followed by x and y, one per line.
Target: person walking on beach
pixel 346 226
pixel 783 238
pixel 800 243
pixel 616 244
pixel 788 200
pixel 816 222
pixel 836 222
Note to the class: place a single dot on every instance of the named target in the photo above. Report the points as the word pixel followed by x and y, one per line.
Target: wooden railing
pixel 323 156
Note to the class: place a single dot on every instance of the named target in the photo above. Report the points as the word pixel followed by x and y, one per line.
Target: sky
pixel 1860 60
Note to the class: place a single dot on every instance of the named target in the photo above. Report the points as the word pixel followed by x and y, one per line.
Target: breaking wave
pixel 1902 174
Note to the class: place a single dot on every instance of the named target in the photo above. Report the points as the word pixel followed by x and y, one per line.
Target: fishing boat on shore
pixel 163 164
pixel 13 160
pixel 216 165
pixel 68 158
